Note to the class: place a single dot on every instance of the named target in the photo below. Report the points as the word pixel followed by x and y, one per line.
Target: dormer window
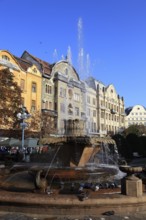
pixel 34 70
pixel 4 57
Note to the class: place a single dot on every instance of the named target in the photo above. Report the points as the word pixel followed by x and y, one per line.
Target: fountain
pixel 72 163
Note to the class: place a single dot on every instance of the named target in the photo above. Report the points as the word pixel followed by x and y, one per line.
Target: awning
pixel 9 142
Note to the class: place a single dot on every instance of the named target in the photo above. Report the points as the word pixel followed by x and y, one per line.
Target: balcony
pixel 52 113
pixel 113 111
pixel 60 76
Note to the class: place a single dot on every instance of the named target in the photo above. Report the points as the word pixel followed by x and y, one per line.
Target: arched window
pixel 4 57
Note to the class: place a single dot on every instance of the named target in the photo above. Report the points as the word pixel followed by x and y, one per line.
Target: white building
pixel 110 108
pixel 135 115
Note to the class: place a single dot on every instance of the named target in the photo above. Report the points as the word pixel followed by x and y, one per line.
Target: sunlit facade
pixel 76 107
pixel 27 76
pixel 135 115
pixel 69 103
pixel 110 108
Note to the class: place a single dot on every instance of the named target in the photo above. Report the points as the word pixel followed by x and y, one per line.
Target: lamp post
pixel 23 115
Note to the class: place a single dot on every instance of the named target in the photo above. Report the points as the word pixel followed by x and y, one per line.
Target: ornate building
pixel 69 94
pixel 110 108
pixel 75 107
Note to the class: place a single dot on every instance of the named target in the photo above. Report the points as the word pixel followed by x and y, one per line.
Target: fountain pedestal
pixel 131 185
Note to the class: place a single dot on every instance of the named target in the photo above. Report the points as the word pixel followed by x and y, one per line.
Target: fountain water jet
pixel 52 161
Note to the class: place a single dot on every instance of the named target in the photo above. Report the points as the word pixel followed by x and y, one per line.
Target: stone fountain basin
pixel 22 178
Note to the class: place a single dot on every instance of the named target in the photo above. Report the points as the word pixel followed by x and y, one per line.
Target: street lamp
pixel 23 115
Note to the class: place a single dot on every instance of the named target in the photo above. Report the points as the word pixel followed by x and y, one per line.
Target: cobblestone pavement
pixel 16 216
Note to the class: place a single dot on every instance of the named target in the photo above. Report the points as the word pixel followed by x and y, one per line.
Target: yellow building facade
pixel 27 76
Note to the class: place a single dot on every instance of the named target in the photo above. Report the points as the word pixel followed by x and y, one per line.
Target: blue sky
pixel 111 34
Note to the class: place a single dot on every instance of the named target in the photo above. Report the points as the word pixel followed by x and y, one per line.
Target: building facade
pixel 91 111
pixel 69 99
pixel 110 108
pixel 135 115
pixel 27 76
pixel 76 107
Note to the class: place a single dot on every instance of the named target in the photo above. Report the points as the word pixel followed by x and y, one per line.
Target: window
pixel 88 111
pixel 48 89
pixel 94 127
pixel 50 105
pixel 66 71
pixel 76 97
pixel 94 101
pixel 102 114
pixel 62 92
pixel 70 109
pixel 33 105
pixel 4 57
pixel 102 103
pixel 88 99
pixel 33 87
pixel 46 105
pixel 88 125
pixel 55 106
pixel 94 113
pixel 70 93
pixel 102 127
pixel 34 70
pixel 22 84
pixel 76 111
pixel 62 107
pixel 62 126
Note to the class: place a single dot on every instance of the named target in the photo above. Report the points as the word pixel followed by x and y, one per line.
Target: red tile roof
pixel 46 67
pixel 24 64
